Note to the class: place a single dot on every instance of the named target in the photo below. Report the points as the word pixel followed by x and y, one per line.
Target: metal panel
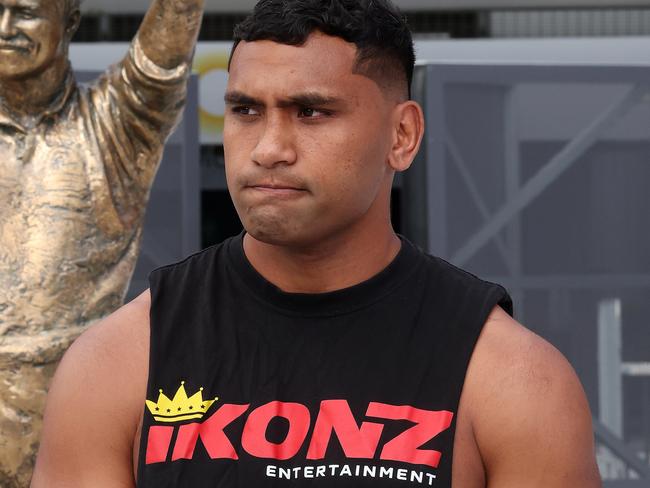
pixel 537 179
pixel 553 170
pixel 436 170
pixel 567 22
pixel 610 384
pixel 625 484
pixel 619 449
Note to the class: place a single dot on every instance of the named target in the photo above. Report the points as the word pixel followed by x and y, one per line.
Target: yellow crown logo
pixel 181 407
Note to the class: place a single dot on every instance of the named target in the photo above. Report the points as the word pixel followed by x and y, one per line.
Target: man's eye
pixel 310 113
pixel 243 110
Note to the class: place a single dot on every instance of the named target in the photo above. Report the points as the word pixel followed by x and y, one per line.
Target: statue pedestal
pixel 27 364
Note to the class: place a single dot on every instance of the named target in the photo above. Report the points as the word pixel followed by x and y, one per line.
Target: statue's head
pixel 35 34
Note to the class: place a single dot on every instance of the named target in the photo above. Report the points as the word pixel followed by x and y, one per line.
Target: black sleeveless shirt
pixel 250 386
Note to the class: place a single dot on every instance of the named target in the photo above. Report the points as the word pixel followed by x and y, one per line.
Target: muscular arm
pixel 528 411
pixel 169 30
pixel 95 405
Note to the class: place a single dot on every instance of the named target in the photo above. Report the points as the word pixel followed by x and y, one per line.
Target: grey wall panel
pixel 536 176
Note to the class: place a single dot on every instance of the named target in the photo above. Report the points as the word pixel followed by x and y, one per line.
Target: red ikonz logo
pixel 334 416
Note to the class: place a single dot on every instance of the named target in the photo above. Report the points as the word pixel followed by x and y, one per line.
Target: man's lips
pixel 277 189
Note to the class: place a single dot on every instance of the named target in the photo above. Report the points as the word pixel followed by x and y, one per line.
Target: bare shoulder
pixel 95 403
pixel 528 411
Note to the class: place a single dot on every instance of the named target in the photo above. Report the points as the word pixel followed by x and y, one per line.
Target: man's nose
pixel 275 145
pixel 7 26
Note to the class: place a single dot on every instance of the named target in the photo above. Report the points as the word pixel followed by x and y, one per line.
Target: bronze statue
pixel 76 167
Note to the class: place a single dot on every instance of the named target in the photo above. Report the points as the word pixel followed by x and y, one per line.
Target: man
pixel 319 348
pixel 76 166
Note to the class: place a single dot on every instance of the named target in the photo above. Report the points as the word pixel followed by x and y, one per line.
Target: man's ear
pixel 72 23
pixel 408 130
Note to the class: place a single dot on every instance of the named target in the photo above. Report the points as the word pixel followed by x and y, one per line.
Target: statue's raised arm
pixel 136 104
pixel 169 30
pixel 76 167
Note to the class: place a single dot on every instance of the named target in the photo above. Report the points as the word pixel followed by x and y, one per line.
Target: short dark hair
pixel 384 43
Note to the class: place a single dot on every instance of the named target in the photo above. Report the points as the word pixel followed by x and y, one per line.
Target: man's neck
pixel 25 99
pixel 339 263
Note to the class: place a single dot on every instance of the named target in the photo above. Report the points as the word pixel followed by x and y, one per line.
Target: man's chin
pixel 271 235
pixel 288 234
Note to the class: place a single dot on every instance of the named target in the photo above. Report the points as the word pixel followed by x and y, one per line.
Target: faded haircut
pixel 384 43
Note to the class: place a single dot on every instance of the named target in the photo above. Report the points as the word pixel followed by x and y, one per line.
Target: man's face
pixel 305 140
pixel 32 33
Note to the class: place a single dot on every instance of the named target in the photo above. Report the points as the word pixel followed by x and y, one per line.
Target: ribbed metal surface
pixel 219 27
pixel 570 23
pixel 230 6
pixel 460 24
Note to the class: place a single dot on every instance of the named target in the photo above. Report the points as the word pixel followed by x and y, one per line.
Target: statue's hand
pixel 169 31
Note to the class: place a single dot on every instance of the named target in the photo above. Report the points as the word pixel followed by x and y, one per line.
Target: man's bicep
pixel 536 429
pixel 92 412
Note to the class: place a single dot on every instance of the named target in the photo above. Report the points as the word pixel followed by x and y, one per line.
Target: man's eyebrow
pixel 310 99
pixel 307 99
pixel 240 98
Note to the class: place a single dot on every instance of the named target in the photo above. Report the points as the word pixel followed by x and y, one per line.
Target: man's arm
pixel 528 411
pixel 95 405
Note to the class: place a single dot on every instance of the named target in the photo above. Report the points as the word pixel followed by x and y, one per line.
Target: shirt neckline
pixel 332 303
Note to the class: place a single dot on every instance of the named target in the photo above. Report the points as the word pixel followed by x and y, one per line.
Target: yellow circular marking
pixel 203 65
